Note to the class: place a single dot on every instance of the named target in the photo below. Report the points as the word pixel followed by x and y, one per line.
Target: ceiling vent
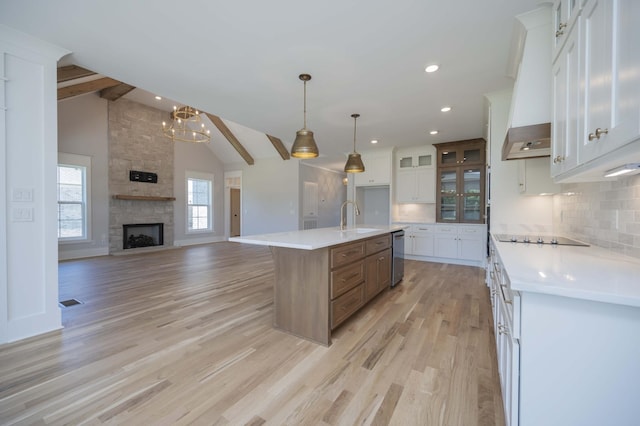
pixel 529 128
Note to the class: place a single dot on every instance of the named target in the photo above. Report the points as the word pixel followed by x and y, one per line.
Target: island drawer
pixel 345 305
pixel 346 278
pixel 374 245
pixel 348 253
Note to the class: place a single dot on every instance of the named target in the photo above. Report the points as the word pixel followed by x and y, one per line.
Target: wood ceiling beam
pixel 116 92
pixel 71 72
pixel 217 121
pixel 86 87
pixel 279 146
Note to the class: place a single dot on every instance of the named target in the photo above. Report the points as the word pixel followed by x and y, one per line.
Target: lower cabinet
pixel 418 240
pixel 378 273
pixel 363 270
pixel 460 242
pixel 464 244
pixel 564 360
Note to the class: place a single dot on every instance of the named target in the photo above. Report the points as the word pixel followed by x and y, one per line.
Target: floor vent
pixel 70 302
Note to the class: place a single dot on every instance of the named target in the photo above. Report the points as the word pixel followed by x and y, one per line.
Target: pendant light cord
pixel 305 105
pixel 354 133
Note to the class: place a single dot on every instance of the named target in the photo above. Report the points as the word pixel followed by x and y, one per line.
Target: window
pixel 73 189
pixel 199 202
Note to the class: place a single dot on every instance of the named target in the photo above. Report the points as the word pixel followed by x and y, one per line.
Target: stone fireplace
pixel 136 143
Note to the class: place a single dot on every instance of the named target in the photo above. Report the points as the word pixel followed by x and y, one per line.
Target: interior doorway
pixel 233 203
pixel 234 213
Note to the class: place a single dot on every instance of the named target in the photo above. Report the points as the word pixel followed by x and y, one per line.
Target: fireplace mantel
pixel 142 197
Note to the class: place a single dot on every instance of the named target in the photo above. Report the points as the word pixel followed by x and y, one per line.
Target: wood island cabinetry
pixel 317 290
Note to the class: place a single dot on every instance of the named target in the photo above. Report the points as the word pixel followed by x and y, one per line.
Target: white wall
pixel 28 206
pixel 331 193
pixel 197 158
pixel 82 129
pixel 270 195
pixel 511 212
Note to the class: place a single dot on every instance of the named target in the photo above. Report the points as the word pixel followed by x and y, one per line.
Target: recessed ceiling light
pixel 432 68
pixel 374 141
pixel 445 109
pixel 433 132
pixel 158 98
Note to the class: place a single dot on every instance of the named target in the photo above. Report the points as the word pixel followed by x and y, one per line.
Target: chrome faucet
pixel 343 223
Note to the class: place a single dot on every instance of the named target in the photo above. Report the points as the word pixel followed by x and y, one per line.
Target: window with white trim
pixel 199 202
pixel 73 197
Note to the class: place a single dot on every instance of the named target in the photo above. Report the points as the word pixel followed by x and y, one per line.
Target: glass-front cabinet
pixel 461 182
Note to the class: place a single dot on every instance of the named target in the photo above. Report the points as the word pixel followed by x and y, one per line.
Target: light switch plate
pixel 22 214
pixel 22 195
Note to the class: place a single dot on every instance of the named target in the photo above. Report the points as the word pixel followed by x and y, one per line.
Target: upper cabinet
pixel 416 175
pixel 461 178
pixel 565 13
pixel 461 153
pixel 377 169
pixel 596 88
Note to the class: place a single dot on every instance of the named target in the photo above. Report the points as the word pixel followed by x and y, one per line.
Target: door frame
pixel 232 179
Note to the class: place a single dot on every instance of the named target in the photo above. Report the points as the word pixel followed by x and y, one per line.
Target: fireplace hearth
pixel 142 235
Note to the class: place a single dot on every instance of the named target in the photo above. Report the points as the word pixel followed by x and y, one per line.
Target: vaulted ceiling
pixel 240 61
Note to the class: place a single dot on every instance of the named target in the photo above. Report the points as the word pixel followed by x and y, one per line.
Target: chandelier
pixel 186 126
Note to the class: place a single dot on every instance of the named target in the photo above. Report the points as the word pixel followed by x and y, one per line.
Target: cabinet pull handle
pixel 349 253
pixel 381 258
pixel 558 159
pixel 599 132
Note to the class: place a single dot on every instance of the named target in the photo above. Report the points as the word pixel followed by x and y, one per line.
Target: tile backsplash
pixel 605 214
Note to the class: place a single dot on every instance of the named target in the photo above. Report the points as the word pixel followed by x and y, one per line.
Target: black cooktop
pixel 535 239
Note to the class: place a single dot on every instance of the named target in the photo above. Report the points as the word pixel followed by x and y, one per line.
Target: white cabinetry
pixel 566 102
pixel 416 175
pixel 562 360
pixel 596 88
pixel 460 242
pixel 438 242
pixel 377 169
pixel 506 322
pixel 419 240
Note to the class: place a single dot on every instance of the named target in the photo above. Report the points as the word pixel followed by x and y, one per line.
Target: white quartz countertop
pixel 312 239
pixel 590 273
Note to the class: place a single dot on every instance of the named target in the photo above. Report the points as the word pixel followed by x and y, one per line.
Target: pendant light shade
pixel 354 162
pixel 304 146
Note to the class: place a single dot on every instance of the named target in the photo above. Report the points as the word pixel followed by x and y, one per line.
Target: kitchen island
pixel 323 276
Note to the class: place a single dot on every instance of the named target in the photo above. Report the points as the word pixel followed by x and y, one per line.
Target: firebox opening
pixel 142 235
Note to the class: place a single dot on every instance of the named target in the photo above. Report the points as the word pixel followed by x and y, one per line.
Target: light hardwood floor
pixel 184 336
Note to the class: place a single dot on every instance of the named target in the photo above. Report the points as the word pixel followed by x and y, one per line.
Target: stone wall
pixel 136 142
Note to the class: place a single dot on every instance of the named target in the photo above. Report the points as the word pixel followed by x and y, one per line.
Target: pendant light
pixel 304 146
pixel 354 162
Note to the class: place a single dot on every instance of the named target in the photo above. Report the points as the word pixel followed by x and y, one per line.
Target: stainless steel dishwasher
pixel 398 257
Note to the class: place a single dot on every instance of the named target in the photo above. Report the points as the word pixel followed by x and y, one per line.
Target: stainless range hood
pixel 529 129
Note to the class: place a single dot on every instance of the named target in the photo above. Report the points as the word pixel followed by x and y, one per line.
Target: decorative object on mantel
pixel 354 162
pixel 186 126
pixel 304 146
pixel 142 197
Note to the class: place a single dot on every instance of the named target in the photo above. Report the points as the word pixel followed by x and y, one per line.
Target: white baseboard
pixel 196 241
pixel 79 254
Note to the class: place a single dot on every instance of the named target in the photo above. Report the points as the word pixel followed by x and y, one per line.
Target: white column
pixel 28 202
